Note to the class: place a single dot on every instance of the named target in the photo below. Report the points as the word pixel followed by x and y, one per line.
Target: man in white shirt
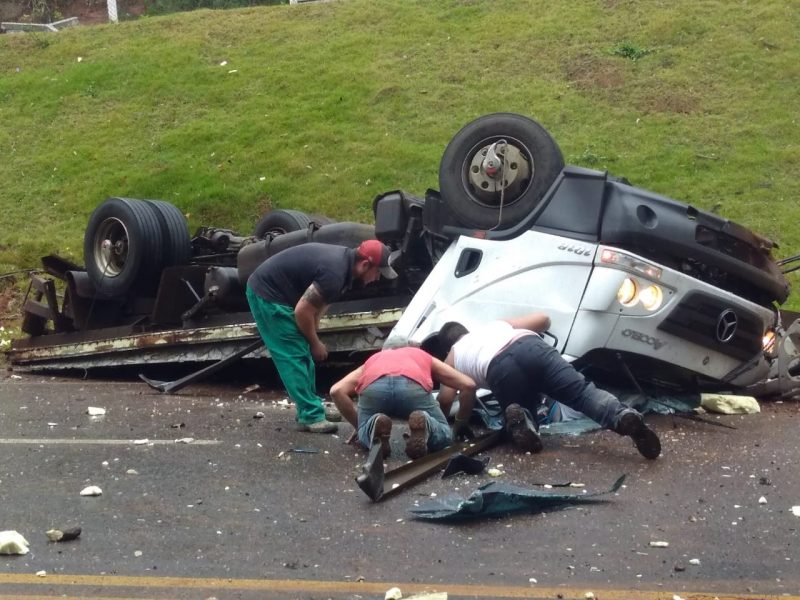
pixel 512 360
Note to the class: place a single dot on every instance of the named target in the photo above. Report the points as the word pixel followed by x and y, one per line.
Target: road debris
pixel 141 442
pixel 41 573
pixel 12 542
pixel 762 500
pixel 658 544
pixel 393 594
pixel 729 404
pixel 95 411
pixel 186 440
pixel 67 535
pixel 694 561
pixel 494 472
pixel 498 499
pixel 251 388
pixel 796 511
pixel 258 415
pixel 91 490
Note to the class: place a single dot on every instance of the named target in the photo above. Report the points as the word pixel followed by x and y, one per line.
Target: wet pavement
pixel 201 499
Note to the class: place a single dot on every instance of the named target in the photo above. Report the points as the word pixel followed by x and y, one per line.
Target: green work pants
pixel 291 355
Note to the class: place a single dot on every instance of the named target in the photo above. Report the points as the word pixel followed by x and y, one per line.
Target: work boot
pixel 382 433
pixel 332 413
pixel 631 424
pixel 323 426
pixel 417 442
pixel 522 430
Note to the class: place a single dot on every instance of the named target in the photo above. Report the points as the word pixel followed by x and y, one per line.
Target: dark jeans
pixel 530 367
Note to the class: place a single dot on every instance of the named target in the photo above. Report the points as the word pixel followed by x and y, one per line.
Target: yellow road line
pixel 353 587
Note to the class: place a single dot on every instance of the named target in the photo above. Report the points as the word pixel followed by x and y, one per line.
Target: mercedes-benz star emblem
pixel 726 325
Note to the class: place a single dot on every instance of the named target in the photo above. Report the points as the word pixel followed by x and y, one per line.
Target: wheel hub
pixel 111 247
pixel 499 168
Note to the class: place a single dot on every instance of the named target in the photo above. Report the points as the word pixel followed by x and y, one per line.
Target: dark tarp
pixel 497 499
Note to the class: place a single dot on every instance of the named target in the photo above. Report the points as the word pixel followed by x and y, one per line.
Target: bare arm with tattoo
pixel 307 313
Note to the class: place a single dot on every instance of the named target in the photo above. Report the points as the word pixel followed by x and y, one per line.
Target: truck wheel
pixel 281 221
pixel 174 231
pixel 497 168
pixel 123 247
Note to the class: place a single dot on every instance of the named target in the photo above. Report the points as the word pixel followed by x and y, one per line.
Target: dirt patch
pixel 10 303
pixel 589 73
pixel 671 101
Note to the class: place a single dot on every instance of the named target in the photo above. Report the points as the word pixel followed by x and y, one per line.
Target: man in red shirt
pixel 398 383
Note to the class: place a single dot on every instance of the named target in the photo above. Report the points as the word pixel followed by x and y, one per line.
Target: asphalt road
pixel 235 514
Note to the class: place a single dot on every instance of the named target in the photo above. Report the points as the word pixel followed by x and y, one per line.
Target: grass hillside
pixel 321 106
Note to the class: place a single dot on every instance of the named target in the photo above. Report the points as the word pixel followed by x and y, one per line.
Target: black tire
pixel 474 195
pixel 123 247
pixel 280 221
pixel 174 231
pixel 320 220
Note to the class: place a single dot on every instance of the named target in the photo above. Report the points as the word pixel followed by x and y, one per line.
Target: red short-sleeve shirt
pixel 410 362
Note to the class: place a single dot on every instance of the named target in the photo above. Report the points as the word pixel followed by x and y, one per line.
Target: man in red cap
pixel 288 294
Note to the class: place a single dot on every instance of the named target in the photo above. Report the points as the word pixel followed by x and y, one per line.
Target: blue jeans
pixel 398 396
pixel 530 366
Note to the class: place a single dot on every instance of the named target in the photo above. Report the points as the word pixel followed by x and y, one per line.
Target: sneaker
pixel 631 424
pixel 323 426
pixel 382 433
pixel 417 442
pixel 332 413
pixel 522 430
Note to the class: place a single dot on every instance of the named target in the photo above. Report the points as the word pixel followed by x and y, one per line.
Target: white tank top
pixel 473 352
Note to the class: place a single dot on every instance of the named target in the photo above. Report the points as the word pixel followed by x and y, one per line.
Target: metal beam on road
pixel 173 585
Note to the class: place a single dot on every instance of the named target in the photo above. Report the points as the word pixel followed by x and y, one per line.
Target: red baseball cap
pixel 379 255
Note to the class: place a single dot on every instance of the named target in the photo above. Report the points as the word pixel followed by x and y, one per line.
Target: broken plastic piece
pixel 393 594
pixel 67 535
pixel 729 404
pixel 92 490
pixel 461 463
pixel 12 542
pixel 95 411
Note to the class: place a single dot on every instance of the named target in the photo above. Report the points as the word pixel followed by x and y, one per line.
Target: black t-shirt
pixel 284 277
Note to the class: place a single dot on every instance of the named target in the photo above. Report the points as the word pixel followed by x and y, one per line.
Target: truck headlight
pixel 651 297
pixel 627 292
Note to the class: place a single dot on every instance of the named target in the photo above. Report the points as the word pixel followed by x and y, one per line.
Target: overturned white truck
pixel 642 290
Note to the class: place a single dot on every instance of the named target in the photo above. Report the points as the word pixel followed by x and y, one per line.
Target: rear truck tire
pixel 123 247
pixel 281 220
pixel 498 160
pixel 174 231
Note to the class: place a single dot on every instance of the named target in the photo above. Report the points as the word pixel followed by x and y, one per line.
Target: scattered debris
pixel 67 535
pixel 494 472
pixel 131 472
pixel 497 499
pixel 393 594
pixel 258 415
pixel 41 573
pixel 186 440
pixel 762 500
pixel 92 490
pixel 796 511
pixel 694 561
pixel 137 553
pixel 303 450
pixel 658 544
pixel 178 425
pixel 12 542
pixel 95 411
pixel 679 567
pixel 141 442
pixel 251 388
pixel 728 404
pixel 461 463
pixel 589 595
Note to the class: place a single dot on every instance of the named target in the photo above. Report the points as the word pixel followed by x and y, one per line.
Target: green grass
pixel 322 106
